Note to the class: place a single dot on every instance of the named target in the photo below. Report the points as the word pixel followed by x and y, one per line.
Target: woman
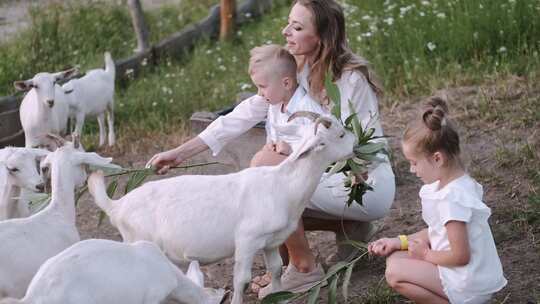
pixel 315 35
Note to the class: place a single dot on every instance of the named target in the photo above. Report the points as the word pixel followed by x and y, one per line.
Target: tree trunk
pixel 227 9
pixel 139 26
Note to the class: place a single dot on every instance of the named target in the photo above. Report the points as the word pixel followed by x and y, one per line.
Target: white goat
pixel 18 171
pixel 108 272
pixel 44 109
pixel 208 218
pixel 26 243
pixel 93 95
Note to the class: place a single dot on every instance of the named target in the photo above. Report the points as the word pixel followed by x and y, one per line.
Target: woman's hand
pixel 164 160
pixel 418 249
pixel 384 246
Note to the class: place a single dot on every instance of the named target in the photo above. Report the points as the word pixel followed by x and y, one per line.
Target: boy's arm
pixel 459 253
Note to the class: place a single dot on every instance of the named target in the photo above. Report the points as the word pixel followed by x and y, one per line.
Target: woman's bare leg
pixel 415 279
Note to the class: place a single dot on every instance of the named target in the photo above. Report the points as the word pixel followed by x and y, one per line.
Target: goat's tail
pixel 109 64
pixel 96 187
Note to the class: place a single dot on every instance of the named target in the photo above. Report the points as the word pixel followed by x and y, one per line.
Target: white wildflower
pixel 245 86
pixel 441 15
pixel 222 68
pixel 431 46
pixel 389 20
pixel 502 49
pixel 154 104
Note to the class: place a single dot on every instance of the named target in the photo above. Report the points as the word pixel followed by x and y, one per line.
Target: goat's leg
pixel 243 260
pixel 272 259
pixel 79 123
pixel 101 123
pixel 110 121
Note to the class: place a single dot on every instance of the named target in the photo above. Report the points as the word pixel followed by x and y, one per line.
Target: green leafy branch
pixel 341 270
pixel 135 179
pixel 366 150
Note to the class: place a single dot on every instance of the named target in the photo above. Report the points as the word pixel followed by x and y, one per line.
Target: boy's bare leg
pixel 415 279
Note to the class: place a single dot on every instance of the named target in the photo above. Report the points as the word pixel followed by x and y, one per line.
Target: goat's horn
pixel 76 140
pixel 311 115
pixel 321 120
pixel 59 140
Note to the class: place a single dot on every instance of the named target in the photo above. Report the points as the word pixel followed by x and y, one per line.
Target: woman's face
pixel 300 32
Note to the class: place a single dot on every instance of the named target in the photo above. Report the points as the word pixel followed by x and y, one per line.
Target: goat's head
pixel 73 161
pixel 194 274
pixel 326 136
pixel 44 85
pixel 21 166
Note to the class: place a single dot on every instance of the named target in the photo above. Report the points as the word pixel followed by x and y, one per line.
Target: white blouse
pixel 352 86
pixel 461 200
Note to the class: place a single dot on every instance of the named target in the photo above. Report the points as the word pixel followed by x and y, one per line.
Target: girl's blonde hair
pixel 334 53
pixel 433 131
pixel 273 59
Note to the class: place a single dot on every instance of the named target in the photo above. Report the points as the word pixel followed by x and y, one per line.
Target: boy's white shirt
pixel 277 115
pixel 461 200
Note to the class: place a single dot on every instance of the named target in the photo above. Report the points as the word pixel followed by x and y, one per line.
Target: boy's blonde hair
pixel 273 59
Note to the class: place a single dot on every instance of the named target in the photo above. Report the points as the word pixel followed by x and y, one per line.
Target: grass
pixel 402 39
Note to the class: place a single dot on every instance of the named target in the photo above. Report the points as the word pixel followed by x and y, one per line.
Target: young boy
pixel 273 71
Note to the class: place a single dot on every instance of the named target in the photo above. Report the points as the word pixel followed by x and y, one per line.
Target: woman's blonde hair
pixel 433 131
pixel 334 53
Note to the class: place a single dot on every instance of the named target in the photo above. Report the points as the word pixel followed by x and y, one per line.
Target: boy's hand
pixel 269 147
pixel 384 246
pixel 418 249
pixel 283 148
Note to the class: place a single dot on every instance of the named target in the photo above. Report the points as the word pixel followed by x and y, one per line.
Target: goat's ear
pixel 195 274
pixel 67 74
pixel 38 153
pixel 23 85
pixel 93 159
pixel 308 145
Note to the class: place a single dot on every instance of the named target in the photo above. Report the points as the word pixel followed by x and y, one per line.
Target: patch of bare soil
pixel 483 137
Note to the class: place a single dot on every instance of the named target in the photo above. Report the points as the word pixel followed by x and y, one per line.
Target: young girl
pixel 453 260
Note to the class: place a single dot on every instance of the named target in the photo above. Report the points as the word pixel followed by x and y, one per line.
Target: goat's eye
pixel 342 135
pixel 13 170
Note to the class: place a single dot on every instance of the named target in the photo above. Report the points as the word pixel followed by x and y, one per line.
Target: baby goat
pixel 28 242
pixel 44 109
pixel 93 95
pixel 18 171
pixel 209 218
pixel 108 272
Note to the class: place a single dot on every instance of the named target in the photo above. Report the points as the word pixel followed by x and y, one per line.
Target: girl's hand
pixel 283 148
pixel 418 249
pixel 384 246
pixel 164 160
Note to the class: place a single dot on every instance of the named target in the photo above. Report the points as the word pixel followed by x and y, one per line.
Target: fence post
pixel 227 12
pixel 139 26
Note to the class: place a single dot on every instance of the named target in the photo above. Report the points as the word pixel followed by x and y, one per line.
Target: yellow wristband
pixel 404 242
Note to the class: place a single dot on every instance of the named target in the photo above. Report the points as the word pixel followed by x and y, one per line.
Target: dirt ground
pixel 483 138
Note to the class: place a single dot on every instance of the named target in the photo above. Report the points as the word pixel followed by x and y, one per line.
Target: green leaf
pixel 111 189
pixel 339 266
pixel 314 294
pixel 357 127
pixel 135 180
pixel 80 194
pixel 275 298
pixel 370 148
pixel 332 289
pixel 346 281
pixel 332 91
pixel 337 167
